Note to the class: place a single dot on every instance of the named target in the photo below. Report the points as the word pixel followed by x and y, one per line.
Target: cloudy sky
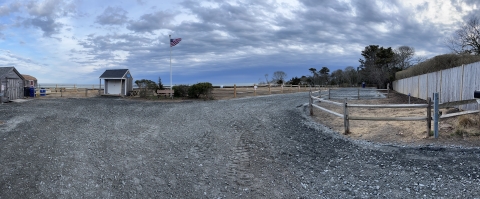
pixel 223 42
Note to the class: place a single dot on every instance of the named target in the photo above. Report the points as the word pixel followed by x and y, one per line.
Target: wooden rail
pixel 458 114
pixel 388 118
pixel 328 111
pixel 388 105
pixel 457 103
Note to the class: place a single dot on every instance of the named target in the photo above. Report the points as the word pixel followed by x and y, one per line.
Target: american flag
pixel 174 42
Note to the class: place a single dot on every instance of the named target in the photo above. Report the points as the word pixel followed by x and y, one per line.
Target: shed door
pixel 114 86
pixel 13 89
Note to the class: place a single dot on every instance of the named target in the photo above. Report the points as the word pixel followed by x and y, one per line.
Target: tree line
pixel 378 67
pixel 378 64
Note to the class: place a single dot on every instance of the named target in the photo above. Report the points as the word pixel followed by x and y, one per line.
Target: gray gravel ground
pixel 262 147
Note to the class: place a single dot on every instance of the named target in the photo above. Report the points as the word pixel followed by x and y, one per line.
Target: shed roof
pixel 115 73
pixel 28 77
pixel 6 70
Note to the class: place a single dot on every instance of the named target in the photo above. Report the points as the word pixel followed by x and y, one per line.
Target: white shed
pixel 117 82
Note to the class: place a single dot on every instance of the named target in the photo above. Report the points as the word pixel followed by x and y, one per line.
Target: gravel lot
pixel 259 147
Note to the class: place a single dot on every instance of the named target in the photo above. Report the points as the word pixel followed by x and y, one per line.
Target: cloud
pixel 48 25
pixel 46 14
pixel 13 7
pixel 151 22
pixel 47 8
pixel 112 16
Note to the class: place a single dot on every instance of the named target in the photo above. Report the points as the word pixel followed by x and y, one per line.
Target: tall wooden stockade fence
pixel 454 84
pixel 428 118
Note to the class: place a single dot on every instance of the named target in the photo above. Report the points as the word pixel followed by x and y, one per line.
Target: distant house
pixel 11 84
pixel 117 82
pixel 30 81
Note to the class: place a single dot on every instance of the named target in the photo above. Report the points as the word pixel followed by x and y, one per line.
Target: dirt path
pixel 261 147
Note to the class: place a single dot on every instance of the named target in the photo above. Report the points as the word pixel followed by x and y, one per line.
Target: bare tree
pixel 350 75
pixel 279 77
pixel 337 77
pixel 404 57
pixel 466 40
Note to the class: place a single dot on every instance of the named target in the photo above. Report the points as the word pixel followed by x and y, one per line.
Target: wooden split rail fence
pixel 281 88
pixel 428 118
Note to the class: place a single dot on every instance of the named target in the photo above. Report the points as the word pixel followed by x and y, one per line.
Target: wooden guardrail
pixel 427 118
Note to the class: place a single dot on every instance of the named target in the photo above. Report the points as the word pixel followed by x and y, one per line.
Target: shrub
pixel 146 86
pixel 200 89
pixel 180 90
pixel 465 121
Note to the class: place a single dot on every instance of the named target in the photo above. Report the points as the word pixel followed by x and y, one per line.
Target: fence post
pixel 345 118
pixel 328 93
pixel 310 102
pixel 86 90
pixel 269 91
pixel 388 92
pixel 298 88
pixel 234 91
pixel 436 117
pixel 358 94
pixel 388 89
pixel 254 90
pixel 282 88
pixel 429 116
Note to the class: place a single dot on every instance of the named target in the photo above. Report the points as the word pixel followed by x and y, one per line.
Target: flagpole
pixel 171 85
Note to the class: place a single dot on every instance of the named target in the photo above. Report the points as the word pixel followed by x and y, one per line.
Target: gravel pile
pixel 259 147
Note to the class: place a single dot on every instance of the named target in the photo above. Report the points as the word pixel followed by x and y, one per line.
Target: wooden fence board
pixel 415 85
pixel 446 80
pixel 469 82
pixel 432 84
pixel 422 86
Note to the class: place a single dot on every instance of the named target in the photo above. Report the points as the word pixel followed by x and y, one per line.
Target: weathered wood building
pixel 30 81
pixel 11 84
pixel 117 82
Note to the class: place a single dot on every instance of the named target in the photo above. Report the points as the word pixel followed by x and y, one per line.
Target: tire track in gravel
pixel 201 145
pixel 239 163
